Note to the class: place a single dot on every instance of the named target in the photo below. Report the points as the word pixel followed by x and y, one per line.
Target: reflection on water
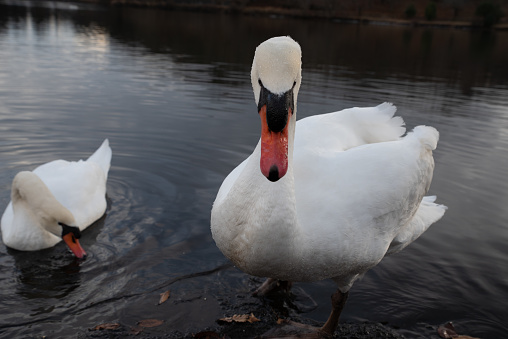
pixel 53 278
pixel 172 93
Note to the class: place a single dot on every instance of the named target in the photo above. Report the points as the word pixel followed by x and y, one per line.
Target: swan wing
pixel 352 205
pixel 342 130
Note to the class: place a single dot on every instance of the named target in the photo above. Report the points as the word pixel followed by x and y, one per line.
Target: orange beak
pixel 274 149
pixel 74 245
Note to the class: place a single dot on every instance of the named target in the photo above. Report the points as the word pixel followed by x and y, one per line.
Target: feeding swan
pixel 56 201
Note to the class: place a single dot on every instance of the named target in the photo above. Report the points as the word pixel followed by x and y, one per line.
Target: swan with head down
pixel 325 197
pixel 56 201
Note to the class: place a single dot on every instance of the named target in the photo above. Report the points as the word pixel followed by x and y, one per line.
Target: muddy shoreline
pixel 270 314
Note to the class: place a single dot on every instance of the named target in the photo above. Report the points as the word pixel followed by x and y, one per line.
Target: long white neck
pixel 32 199
pixel 258 209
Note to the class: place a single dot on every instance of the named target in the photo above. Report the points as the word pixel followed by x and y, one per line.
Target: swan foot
pixel 338 301
pixel 271 286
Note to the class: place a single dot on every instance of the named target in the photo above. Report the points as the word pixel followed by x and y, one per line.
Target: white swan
pixel 56 201
pixel 325 197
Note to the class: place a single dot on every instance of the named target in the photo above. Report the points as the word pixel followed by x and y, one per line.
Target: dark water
pixel 172 93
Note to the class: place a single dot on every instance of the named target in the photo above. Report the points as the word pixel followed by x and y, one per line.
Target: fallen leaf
pixel 240 318
pixel 150 322
pixel 281 321
pixel 164 297
pixel 107 326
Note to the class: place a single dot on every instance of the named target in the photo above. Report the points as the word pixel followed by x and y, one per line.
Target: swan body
pixel 57 198
pixel 353 192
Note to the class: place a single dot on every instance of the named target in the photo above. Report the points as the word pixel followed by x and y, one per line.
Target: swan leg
pixel 338 302
pixel 272 285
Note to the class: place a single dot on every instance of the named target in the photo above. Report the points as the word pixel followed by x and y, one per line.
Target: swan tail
pixel 428 213
pixel 427 135
pixel 379 123
pixel 102 157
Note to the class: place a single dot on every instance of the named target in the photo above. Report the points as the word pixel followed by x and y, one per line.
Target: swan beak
pixel 275 111
pixel 74 245
pixel 274 149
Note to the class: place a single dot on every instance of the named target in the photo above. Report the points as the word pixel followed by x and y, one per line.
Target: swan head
pixel 276 77
pixel 70 235
pixel 30 196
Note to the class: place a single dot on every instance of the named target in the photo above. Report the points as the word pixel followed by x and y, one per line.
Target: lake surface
pixel 171 91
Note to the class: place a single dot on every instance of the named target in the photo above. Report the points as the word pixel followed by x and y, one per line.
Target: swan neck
pixel 31 195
